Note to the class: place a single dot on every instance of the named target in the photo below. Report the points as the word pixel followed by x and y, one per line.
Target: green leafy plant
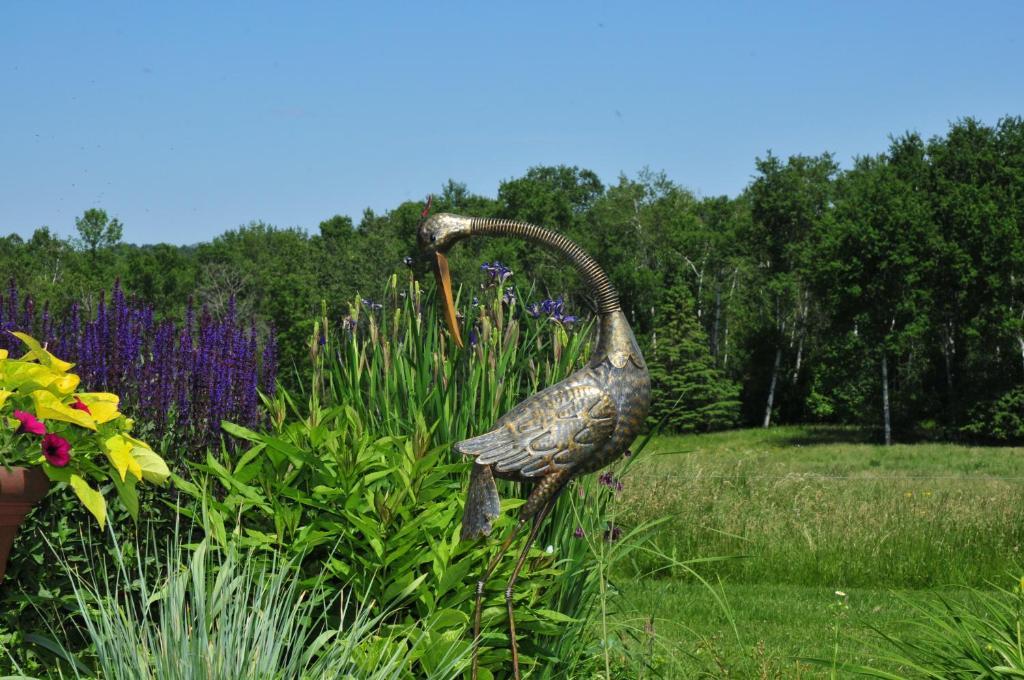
pixel 376 515
pixel 73 436
pixel 601 638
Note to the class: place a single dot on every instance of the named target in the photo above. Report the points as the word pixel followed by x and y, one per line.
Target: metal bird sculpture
pixel 571 428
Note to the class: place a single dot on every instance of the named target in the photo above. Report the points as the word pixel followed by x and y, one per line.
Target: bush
pixel 1001 421
pixel 59 543
pixel 378 516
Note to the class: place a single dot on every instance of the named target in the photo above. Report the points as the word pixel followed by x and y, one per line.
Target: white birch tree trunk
pixel 715 324
pixel 725 329
pixel 885 399
pixel 948 351
pixel 699 273
pixel 771 388
pixel 803 311
pixel 1020 340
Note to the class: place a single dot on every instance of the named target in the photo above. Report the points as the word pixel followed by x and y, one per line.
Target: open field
pixel 806 512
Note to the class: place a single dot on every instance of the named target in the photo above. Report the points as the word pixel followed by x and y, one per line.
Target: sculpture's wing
pixel 554 429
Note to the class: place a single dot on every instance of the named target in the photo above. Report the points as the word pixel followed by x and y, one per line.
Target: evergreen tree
pixel 689 392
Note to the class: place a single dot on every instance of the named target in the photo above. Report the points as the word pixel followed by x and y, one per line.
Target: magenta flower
pixel 29 424
pixel 80 406
pixel 57 450
pixel 579 533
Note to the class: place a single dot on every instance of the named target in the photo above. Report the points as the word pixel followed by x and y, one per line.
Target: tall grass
pixel 801 506
pixel 808 511
pixel 398 368
pixel 214 614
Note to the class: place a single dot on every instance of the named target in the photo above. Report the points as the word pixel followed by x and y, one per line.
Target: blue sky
pixel 188 119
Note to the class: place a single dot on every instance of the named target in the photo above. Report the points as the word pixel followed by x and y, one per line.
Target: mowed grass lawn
pixel 802 513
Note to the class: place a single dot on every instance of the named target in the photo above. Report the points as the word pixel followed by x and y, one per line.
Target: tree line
pixel 889 294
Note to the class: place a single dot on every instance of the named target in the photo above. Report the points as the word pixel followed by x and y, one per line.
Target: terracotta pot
pixel 20 489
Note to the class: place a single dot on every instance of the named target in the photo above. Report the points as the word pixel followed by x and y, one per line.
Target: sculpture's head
pixel 436 235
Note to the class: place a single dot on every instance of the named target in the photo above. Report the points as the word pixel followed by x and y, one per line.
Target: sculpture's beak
pixel 444 280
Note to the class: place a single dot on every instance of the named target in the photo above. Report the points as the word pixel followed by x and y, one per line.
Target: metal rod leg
pixel 538 519
pixel 505 545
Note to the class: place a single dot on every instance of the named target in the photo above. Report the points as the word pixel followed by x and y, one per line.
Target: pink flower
pixel 29 424
pixel 80 405
pixel 56 449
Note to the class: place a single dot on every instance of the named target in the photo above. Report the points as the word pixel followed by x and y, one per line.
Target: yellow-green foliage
pixel 74 436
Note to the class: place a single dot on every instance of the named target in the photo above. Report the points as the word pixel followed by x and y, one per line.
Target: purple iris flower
pixel 553 309
pixel 497 272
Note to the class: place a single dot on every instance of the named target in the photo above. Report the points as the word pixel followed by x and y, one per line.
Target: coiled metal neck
pixel 601 288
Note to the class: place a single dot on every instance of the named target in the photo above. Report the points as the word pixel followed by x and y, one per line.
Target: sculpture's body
pixel 574 427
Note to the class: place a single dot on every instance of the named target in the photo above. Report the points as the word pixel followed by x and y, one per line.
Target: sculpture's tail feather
pixel 482 504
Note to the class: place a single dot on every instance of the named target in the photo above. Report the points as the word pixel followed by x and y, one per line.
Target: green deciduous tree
pixel 891 293
pixel 643 230
pixel 871 266
pixel 556 197
pixel 726 270
pixel 789 203
pixel 96 230
pixel 270 271
pixel 975 180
